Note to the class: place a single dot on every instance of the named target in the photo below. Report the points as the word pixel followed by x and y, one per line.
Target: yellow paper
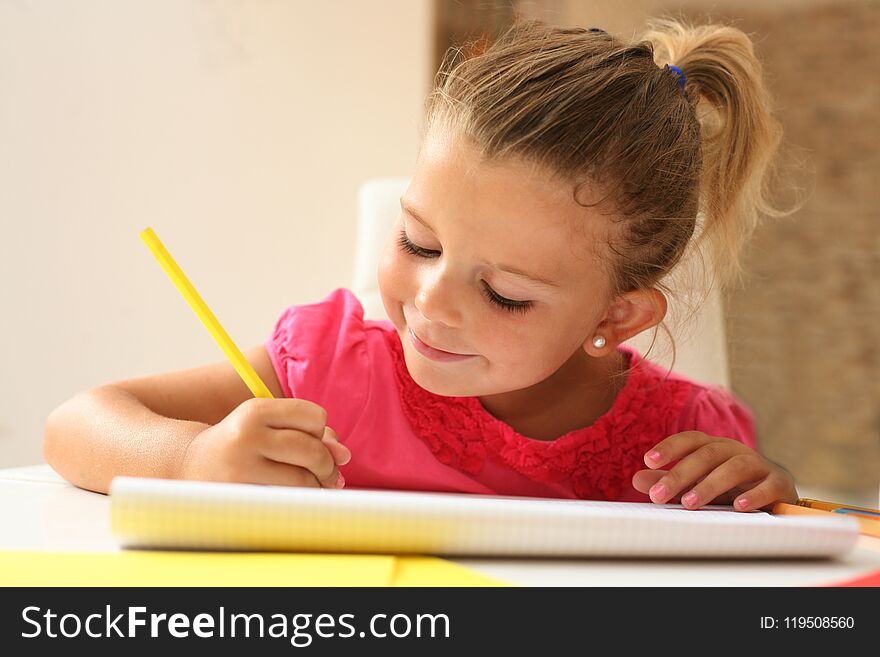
pixel 431 571
pixel 155 568
pixel 165 568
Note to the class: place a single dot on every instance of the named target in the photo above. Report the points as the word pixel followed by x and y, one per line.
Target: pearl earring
pixel 598 342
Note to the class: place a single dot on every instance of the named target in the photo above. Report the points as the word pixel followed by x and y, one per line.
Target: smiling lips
pixel 435 354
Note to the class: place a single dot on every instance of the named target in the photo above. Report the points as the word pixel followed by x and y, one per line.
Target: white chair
pixel 701 351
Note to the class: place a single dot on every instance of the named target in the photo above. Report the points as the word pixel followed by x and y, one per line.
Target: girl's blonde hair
pixel 589 108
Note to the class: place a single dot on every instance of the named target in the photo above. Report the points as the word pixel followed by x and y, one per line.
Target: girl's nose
pixel 437 302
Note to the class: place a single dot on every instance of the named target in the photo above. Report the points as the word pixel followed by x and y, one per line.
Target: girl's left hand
pixel 713 470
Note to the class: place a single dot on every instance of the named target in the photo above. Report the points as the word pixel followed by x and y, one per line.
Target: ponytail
pixel 739 135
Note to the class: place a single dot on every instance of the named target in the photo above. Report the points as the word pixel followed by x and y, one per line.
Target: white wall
pixel 239 130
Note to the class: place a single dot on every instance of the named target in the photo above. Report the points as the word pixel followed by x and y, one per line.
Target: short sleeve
pixel 718 412
pixel 319 353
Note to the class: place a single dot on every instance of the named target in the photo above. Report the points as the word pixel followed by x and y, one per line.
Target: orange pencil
pixel 867 525
pixel 839 508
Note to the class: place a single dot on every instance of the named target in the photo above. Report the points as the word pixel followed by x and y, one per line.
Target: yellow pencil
pixel 181 282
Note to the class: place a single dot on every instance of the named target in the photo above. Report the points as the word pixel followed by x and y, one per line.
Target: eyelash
pixel 493 297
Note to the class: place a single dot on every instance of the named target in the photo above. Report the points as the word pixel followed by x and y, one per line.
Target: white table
pixel 41 511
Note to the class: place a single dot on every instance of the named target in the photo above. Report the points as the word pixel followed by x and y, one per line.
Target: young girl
pixel 559 181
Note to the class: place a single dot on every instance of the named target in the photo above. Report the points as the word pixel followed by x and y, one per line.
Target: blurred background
pixel 241 132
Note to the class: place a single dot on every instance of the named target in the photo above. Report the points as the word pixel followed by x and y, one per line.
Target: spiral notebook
pixel 158 513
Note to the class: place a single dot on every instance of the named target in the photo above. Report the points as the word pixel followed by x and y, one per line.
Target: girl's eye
pixel 507 304
pixel 490 294
pixel 411 248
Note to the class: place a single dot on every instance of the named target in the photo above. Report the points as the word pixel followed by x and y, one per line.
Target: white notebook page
pixel 156 513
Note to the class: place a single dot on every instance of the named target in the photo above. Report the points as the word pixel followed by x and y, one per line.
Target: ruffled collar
pixel 598 460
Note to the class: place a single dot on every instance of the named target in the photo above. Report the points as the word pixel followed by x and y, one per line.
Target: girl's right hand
pixel 268 441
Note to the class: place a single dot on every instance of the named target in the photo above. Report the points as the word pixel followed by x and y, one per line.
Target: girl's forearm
pixel 106 432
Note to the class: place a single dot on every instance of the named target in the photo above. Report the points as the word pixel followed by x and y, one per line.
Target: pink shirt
pixel 403 437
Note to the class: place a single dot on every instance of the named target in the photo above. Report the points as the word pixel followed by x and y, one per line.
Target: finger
pixel 299 414
pixel 731 473
pixel 689 470
pixel 772 489
pixel 272 473
pixel 340 453
pixel 675 447
pixel 644 479
pixel 301 449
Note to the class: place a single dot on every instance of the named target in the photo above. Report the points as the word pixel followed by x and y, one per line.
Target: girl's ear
pixel 627 316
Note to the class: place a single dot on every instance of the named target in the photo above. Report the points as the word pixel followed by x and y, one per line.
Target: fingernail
pixel 654 456
pixel 340 483
pixel 690 499
pixel 742 503
pixel 657 492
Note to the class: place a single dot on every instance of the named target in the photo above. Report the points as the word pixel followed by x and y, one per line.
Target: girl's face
pixel 489 274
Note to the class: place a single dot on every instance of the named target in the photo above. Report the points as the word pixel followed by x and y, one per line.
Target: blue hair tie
pixel 681 78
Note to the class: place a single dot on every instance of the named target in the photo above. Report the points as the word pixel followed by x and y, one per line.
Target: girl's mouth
pixel 435 354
